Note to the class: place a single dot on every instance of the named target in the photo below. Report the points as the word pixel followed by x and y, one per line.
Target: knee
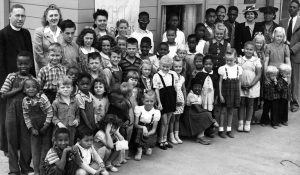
pixel 81 172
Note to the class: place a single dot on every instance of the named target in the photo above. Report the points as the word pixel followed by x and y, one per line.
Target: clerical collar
pixel 14 28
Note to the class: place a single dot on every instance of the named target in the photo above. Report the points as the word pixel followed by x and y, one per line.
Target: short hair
pixel 122 21
pixel 166 59
pixel 197 56
pixel 285 68
pixel 295 1
pixel 65 80
pixel 233 8
pixel 210 10
pixel 105 38
pixel 84 132
pixel 132 41
pixel 143 13
pixel 55 47
pixel 198 25
pixel 100 12
pixel 146 62
pixel 61 131
pixel 121 38
pixel 221 26
pixel 178 61
pixel 72 67
pixel 116 50
pixel 271 70
pixel 255 14
pixel 94 56
pixel 25 53
pixel 35 82
pixel 220 7
pixel 67 24
pixel 191 36
pixel 207 57
pixel 16 6
pixel 146 40
pixel 230 52
pixel 102 81
pixel 249 43
pixel 51 7
pixel 84 75
pixel 171 28
pixel 150 93
pixel 181 47
pixel 132 74
pixel 85 31
pixel 281 30
pixel 163 43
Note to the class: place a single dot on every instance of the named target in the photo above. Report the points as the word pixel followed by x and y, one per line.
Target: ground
pixel 263 151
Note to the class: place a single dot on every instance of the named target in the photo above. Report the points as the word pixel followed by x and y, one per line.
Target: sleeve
pixel 206 47
pixel 3 68
pixel 137 110
pixel 7 85
pixel 77 113
pixel 96 156
pixel 157 115
pixel 238 39
pixel 41 77
pixel 164 37
pixel 38 50
pixel 47 108
pixel 152 44
pixel 81 101
pixel 258 63
pixel 51 157
pixel 55 119
pixel 296 48
pixel 157 84
pixel 221 70
pixel 108 75
pixel 286 51
pixel 26 113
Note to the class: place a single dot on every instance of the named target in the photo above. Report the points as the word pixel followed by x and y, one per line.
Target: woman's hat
pixel 250 9
pixel 268 10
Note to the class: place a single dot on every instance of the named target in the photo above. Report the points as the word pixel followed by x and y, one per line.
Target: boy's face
pixel 145 48
pixel 171 35
pixel 24 64
pixel 30 88
pixel 221 14
pixel 54 57
pixel 232 15
pixel 249 50
pixel 149 103
pixel 133 82
pixel 122 45
pixel 211 18
pixel 198 61
pixel 197 89
pixel 88 39
pixel 219 35
pixel 115 58
pixel 86 142
pixel 73 74
pixel 65 90
pixel 165 67
pixel 62 140
pixel 94 64
pixel 174 21
pixel 131 49
pixel 208 65
pixel 84 85
pixel 182 54
pixel 230 60
pixel 99 88
pixel 192 43
pixel 68 34
pixel 163 50
pixel 146 70
pixel 143 21
pixel 106 46
pixel 200 32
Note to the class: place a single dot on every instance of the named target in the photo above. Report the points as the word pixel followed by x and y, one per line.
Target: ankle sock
pixel 228 128
pixel 221 128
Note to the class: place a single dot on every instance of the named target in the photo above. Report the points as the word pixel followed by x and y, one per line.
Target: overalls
pixel 168 96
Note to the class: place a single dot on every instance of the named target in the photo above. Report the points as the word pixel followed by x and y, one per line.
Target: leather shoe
pixel 222 134
pixel 203 141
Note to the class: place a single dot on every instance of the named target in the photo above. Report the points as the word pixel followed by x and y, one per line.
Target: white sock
pixel 241 122
pixel 248 122
pixel 221 128
pixel 228 128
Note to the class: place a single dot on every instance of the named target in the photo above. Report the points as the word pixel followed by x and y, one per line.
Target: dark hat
pixel 250 8
pixel 268 10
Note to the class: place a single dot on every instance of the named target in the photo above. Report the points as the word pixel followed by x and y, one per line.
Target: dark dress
pixel 267 32
pixel 168 96
pixel 217 50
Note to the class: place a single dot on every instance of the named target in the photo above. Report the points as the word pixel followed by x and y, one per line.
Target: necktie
pixel 290 29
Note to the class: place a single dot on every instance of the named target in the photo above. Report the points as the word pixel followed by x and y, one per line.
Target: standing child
pixel 18 136
pixel 146 120
pixel 229 91
pixel 50 74
pixel 122 43
pixel 105 44
pixel 162 50
pixel 171 35
pixel 66 108
pixel 174 22
pixel 250 85
pixel 86 103
pixel 180 102
pixel 38 114
pixel 186 67
pixel 145 82
pixel 164 84
pixel 198 64
pixel 145 55
pixel 72 72
pixel 101 103
pixel 191 51
pixel 95 65
pixel 122 29
pixel 200 34
pixel 132 79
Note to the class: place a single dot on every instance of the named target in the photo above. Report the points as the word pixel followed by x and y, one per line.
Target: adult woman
pixel 100 23
pixel 268 25
pixel 246 31
pixel 44 36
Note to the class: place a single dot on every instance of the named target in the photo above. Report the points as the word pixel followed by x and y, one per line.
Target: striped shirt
pixel 45 105
pixel 52 157
pixel 49 75
pixel 127 65
pixel 9 81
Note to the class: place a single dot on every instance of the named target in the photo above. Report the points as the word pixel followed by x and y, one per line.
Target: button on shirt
pixel 70 51
pixel 139 34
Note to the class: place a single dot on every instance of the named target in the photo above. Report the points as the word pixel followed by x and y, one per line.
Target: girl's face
pixel 115 58
pixel 171 35
pixel 101 22
pixel 84 85
pixel 208 65
pixel 219 34
pixel 86 142
pixel 73 74
pixel 259 44
pixel 278 37
pixel 149 102
pixel 23 65
pixel 165 68
pixel 94 64
pixel 146 70
pixel 122 45
pixel 182 54
pixel 99 88
pixel 230 60
pixel 65 90
pixel 174 21
pixel 177 67
pixel 106 47
pixel 62 140
pixel 200 32
pixel 30 88
pixel 53 17
pixel 249 50
pixel 198 61
pixel 133 82
pixel 54 57
pixel 197 89
pixel 221 14
pixel 88 39
pixel 192 43
pixel 122 29
pixel 250 16
pixel 163 50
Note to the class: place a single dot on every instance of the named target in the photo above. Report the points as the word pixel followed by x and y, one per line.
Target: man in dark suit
pixel 231 23
pixel 13 39
pixel 292 27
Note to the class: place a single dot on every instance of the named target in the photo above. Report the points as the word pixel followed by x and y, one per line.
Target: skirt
pixel 139 140
pixel 231 93
pixel 194 122
pixel 168 97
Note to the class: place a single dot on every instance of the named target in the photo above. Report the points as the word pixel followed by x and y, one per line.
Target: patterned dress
pixel 180 97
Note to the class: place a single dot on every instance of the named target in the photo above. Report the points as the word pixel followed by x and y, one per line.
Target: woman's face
pixel 88 39
pixel 105 47
pixel 101 22
pixel 268 17
pixel 250 16
pixel 221 14
pixel 53 17
pixel 122 29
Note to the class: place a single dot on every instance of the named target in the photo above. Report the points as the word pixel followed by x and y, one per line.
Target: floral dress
pixel 180 97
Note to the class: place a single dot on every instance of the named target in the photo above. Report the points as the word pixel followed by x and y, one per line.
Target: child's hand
pixel 44 128
pixel 222 99
pixel 75 123
pixel 34 132
pixel 145 131
pixel 108 128
pixel 60 125
pixel 159 107
pixel 67 149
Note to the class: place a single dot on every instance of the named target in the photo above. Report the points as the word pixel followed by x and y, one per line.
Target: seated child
pixel 145 55
pixel 72 72
pixel 95 65
pixel 113 73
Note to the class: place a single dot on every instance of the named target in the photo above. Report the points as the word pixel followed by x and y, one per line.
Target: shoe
pixel 274 127
pixel 138 155
pixel 123 161
pixel 240 127
pixel 117 164
pixel 168 145
pixel 279 125
pixel 162 146
pixel 172 139
pixel 179 141
pixel 210 135
pixel 294 109
pixel 230 134
pixel 111 168
pixel 222 134
pixel 263 125
pixel 285 123
pixel 247 128
pixel 203 141
pixel 104 172
pixel 148 152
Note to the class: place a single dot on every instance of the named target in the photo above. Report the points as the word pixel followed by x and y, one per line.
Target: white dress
pixel 207 94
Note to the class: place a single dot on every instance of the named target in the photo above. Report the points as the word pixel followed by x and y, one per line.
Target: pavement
pixel 263 151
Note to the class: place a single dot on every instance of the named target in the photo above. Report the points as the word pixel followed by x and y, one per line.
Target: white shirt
pixel 84 51
pixel 14 28
pixel 139 34
pixel 54 35
pixel 231 70
pixel 173 50
pixel 180 38
pixel 200 46
pixel 146 116
pixel 157 83
pixel 294 22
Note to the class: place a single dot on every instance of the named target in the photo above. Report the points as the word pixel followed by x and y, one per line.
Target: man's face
pixel 143 21
pixel 68 34
pixel 293 9
pixel 211 18
pixel 232 15
pixel 17 17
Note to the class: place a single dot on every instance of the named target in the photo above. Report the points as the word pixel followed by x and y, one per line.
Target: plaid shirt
pixel 283 88
pixel 49 75
pixel 270 91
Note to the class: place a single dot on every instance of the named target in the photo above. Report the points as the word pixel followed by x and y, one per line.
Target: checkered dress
pixel 231 91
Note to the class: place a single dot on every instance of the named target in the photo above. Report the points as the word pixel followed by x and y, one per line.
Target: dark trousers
pixel 51 95
pixel 273 107
pixel 284 110
pixel 3 138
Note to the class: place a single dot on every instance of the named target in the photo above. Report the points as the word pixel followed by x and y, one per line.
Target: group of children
pixel 122 101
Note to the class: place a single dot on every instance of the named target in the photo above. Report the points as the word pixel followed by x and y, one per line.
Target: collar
pixel 145 77
pixel 55 35
pixel 210 73
pixel 64 43
pixel 90 97
pixel 207 26
pixel 52 66
pixel 72 99
pixel 36 97
pixel 249 24
pixel 84 51
pixel 215 41
pixel 294 18
pixel 251 59
pixel 14 28
pixel 162 73
pixel 139 30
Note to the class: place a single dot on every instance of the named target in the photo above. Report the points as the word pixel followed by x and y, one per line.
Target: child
pixel 200 34
pixel 61 158
pixel 91 162
pixel 277 52
pixel 122 28
pixel 198 64
pixel 218 46
pixel 38 114
pixel 284 90
pixel 101 103
pixel 186 67
pixel 132 79
pixel 162 50
pixel 145 82
pixel 145 55
pixel 191 51
pixel 229 90
pixel 18 136
pixel 271 98
pixel 250 84
pixel 66 108
pixel 72 72
pixel 146 120
pixel 174 22
pixel 105 141
pixel 105 44
pixel 86 103
pixel 131 62
pixel 181 98
pixel 122 43
pixel 171 35
pixel 49 75
pixel 113 73
pixel 164 82
pixel 95 65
